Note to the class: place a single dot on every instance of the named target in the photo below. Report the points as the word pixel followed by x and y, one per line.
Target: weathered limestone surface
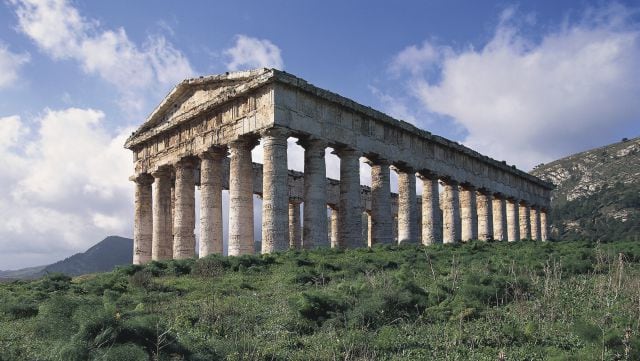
pixel 381 217
pixel 234 109
pixel 407 203
pixel 241 198
pixel 468 213
pixel 513 223
pixel 162 244
pixel 211 202
pixel 350 215
pixel 485 216
pixel 451 213
pixel 275 191
pixel 184 224
pixel 369 230
pixel 334 227
pixel 525 221
pixel 431 221
pixel 535 224
pixel 143 220
pixel 315 194
pixel 544 228
pixel 295 236
pixel 499 218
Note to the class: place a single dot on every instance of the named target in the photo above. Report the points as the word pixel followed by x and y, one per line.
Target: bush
pixel 319 306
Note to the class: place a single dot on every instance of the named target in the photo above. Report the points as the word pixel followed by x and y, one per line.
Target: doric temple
pixel 202 135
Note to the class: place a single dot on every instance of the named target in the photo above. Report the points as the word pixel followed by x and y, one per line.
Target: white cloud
pixel 65 186
pixel 249 53
pixel 62 32
pixel 10 64
pixel 533 101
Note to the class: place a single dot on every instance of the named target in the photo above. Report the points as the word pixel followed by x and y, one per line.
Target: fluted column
pixel 381 217
pixel 525 221
pixel 499 218
pixel 451 212
pixel 211 201
pixel 468 213
pixel 485 215
pixel 513 220
pixel 315 194
pixel 418 223
pixel 350 219
pixel 407 204
pixel 241 198
pixel 295 236
pixel 334 227
pixel 275 191
pixel 431 221
pixel 162 234
pixel 143 219
pixel 535 223
pixel 184 223
pixel 544 226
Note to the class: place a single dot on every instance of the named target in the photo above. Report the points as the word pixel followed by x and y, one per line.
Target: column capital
pixel 214 153
pixel 498 195
pixel 275 132
pixel 427 174
pixel 448 181
pixel 344 151
pixel 484 191
pixel 161 172
pixel 142 179
pixel 403 168
pixel 467 186
pixel 186 162
pixel 312 143
pixel 295 200
pixel 375 159
pixel 244 142
pixel 523 202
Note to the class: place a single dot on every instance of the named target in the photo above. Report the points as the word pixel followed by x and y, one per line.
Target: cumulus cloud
pixel 10 64
pixel 249 53
pixel 64 184
pixel 62 32
pixel 530 101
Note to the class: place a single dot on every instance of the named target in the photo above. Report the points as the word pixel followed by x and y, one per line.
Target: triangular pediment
pixel 192 96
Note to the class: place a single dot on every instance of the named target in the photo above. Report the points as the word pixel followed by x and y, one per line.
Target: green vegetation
pixel 475 301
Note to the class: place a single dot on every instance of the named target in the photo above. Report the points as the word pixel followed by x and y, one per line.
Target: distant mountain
pixel 102 257
pixel 597 194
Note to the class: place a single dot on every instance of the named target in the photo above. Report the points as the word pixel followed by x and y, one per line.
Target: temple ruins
pixel 202 135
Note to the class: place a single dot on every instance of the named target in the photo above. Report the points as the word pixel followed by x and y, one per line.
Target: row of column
pixel 165 215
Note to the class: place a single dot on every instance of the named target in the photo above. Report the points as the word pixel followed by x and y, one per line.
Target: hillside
pixel 597 194
pixel 475 301
pixel 102 257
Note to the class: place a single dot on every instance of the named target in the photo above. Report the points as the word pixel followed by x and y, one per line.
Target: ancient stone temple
pixel 202 135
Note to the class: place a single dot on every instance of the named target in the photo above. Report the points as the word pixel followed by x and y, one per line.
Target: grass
pixel 475 301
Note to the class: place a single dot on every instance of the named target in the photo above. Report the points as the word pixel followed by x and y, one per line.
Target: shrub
pixel 319 306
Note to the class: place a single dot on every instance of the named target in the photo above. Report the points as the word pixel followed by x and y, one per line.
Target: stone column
pixel 381 217
pixel 143 219
pixel 451 212
pixel 513 228
pixel 544 226
pixel 241 198
pixel 211 201
pixel 485 215
pixel 334 227
pixel 275 191
pixel 418 223
pixel 407 203
pixel 369 230
pixel 315 194
pixel 350 220
pixel 184 223
pixel 525 221
pixel 431 221
pixel 535 223
pixel 468 213
pixel 162 236
pixel 295 236
pixel 499 218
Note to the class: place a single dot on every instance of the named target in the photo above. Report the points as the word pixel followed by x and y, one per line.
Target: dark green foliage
pixel 531 300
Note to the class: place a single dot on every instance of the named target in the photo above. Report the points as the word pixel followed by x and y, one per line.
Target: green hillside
pixel 476 301
pixel 598 193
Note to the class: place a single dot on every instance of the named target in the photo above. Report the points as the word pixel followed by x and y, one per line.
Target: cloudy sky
pixel 526 82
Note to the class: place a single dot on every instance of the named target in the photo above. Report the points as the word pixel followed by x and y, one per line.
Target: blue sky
pixel 525 82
